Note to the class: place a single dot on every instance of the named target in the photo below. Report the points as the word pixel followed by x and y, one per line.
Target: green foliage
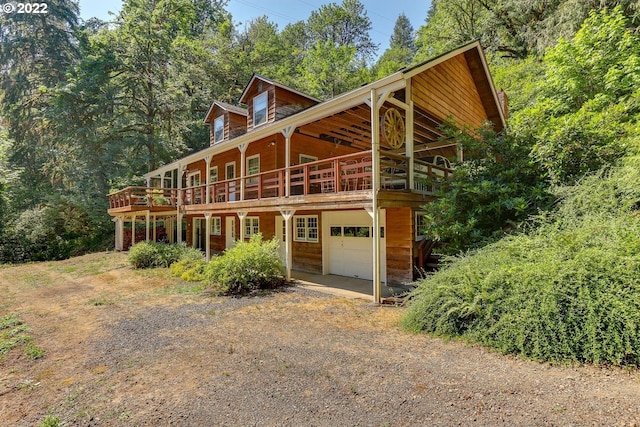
pixel 33 352
pixel 246 267
pixel 566 291
pixel 492 190
pixel 52 231
pixel 152 254
pixel 589 101
pixel 13 332
pixel 50 421
pixel 190 269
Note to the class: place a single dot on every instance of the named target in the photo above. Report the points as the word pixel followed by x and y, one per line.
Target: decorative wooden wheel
pixel 394 128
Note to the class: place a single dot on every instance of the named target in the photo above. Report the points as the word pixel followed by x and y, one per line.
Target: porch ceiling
pixel 352 128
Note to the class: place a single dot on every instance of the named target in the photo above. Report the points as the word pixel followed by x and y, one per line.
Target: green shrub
pixel 246 267
pixel 152 254
pixel 189 269
pixel 566 291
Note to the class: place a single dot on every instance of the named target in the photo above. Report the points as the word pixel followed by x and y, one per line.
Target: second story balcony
pixel 350 176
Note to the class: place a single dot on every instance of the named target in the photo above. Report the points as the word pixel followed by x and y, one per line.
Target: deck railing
pixel 341 174
pixel 144 197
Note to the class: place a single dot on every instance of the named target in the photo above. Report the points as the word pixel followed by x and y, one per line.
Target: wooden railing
pixel 144 197
pixel 352 172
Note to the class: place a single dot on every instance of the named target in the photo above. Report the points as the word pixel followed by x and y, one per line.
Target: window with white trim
pixel 193 179
pixel 213 174
pixel 216 226
pixel 218 129
pixel 420 222
pixel 305 228
pixel 260 105
pixel 251 226
pixel 305 158
pixel 253 168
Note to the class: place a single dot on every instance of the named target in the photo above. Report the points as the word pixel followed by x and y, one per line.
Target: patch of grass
pixel 100 301
pixel 13 332
pixel 33 352
pixel 50 421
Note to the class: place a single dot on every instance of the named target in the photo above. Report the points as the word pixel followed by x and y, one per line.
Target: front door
pixel 230 232
pixel 198 233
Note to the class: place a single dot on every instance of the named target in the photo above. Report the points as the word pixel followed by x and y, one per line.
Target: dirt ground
pixel 138 348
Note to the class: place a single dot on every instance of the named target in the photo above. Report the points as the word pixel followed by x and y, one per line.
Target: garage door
pixel 350 249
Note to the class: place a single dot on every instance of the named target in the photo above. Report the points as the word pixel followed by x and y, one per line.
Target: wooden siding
pixel 256 90
pixel 288 103
pixel 399 239
pixel 235 126
pixel 448 89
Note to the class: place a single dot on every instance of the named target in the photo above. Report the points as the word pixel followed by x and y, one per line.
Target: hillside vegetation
pixel 568 289
pixel 564 285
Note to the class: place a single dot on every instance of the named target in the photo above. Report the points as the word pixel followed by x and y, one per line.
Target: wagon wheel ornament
pixel 393 128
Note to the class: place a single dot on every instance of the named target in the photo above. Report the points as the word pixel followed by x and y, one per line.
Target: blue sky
pixel 383 13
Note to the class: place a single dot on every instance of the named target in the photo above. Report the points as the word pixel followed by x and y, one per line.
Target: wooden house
pixel 340 183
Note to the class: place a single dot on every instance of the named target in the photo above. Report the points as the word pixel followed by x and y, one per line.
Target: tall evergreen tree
pixel 403 36
pixel 401 49
pixel 35 52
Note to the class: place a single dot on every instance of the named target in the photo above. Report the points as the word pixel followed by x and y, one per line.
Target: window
pixel 304 158
pixel 218 129
pixel 306 228
pixel 213 174
pixel 216 226
pixel 253 168
pixel 260 109
pixel 251 226
pixel 420 223
pixel 193 179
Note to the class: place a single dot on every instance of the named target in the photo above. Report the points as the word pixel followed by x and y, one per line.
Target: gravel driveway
pixel 291 358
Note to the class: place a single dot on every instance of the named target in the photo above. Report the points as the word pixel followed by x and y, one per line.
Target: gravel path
pixel 301 358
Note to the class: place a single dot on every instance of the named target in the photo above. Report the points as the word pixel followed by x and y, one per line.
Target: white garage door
pixel 350 249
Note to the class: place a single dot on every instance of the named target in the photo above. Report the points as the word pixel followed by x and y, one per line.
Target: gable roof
pixel 357 96
pixel 224 106
pixel 479 68
pixel 257 77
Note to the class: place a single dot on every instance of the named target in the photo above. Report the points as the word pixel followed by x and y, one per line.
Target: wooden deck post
pixel 287 215
pixel 133 229
pixel 147 218
pixel 179 227
pixel 409 136
pixel 287 132
pixel 207 243
pixel 208 175
pixel 242 215
pixel 243 168
pixel 375 102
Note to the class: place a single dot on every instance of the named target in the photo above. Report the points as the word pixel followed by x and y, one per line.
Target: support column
pixel 119 233
pixel 287 132
pixel 243 169
pixel 287 215
pixel 207 240
pixel 147 225
pixel 133 230
pixel 169 225
pixel 179 227
pixel 409 135
pixel 207 159
pixel 242 215
pixel 155 224
pixel 376 103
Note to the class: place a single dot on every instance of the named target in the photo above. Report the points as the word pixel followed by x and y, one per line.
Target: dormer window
pixel 218 129
pixel 260 109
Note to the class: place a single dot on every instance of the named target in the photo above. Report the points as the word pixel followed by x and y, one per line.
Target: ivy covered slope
pixel 567 290
pixel 566 287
